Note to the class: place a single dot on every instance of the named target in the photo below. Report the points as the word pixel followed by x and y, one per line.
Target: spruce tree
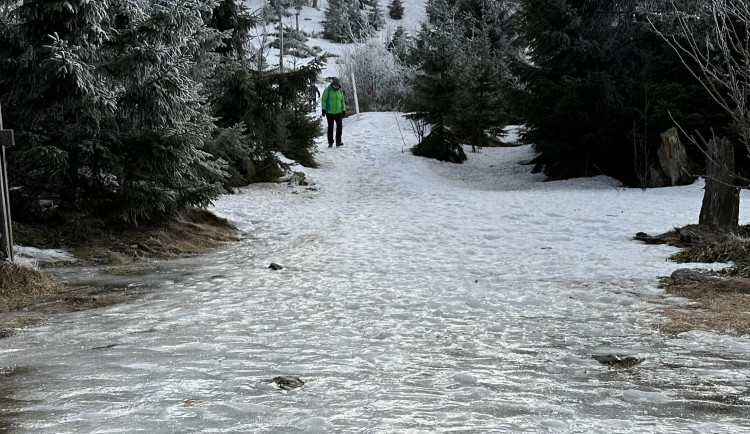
pixel 54 99
pixel 480 108
pixel 160 58
pixel 396 9
pixel 570 98
pixel 233 19
pixel 336 26
pixel 460 89
pixel 116 115
pixel 375 17
pixel 599 87
pixel 260 113
pixel 344 21
pixel 436 84
pixel 398 45
pixel 357 20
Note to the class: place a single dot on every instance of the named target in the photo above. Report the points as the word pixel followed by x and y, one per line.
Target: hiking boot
pixel 330 145
pixel 339 144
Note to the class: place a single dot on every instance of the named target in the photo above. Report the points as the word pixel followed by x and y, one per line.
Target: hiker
pixel 334 109
pixel 312 94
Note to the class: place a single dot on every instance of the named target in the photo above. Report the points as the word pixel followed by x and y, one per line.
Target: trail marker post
pixel 6 230
pixel 356 100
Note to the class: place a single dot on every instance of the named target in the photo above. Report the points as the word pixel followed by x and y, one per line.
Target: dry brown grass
pixel 22 286
pixel 721 306
pixel 198 231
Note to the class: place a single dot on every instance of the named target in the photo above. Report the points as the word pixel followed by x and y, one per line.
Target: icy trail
pixel 416 297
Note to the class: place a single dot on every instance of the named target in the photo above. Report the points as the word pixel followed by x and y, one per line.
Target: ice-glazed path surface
pixel 416 297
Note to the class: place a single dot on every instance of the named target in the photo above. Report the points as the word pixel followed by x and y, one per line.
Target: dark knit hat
pixel 335 82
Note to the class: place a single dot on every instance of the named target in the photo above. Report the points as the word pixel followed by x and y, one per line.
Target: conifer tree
pixel 459 53
pixel 118 120
pixel 160 58
pixel 398 45
pixel 336 26
pixel 344 21
pixel 396 9
pixel 357 19
pixel 436 84
pixel 260 113
pixel 599 87
pixel 233 18
pixel 53 98
pixel 571 96
pixel 375 17
pixel 480 107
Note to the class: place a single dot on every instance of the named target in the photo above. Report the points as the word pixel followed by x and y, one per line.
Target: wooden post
pixel 6 230
pixel 721 200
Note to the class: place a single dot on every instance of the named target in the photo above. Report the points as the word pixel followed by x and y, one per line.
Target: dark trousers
pixel 337 119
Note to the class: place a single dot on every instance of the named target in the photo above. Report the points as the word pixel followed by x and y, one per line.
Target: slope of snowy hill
pixel 311 23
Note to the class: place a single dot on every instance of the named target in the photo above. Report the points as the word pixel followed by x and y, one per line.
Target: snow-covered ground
pixel 416 297
pixel 310 22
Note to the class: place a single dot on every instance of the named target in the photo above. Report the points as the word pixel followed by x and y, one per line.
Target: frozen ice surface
pixel 416 297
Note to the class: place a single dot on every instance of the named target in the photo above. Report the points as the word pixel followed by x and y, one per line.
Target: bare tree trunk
pixel 721 200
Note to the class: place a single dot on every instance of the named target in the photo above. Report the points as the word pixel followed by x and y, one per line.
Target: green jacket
pixel 332 101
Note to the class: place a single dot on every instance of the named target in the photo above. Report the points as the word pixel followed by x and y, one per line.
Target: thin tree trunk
pixel 281 36
pixel 721 200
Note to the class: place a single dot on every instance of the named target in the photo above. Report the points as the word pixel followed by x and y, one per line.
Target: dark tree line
pixel 591 80
pixel 135 110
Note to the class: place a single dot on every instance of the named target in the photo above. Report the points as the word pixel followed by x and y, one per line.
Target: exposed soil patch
pixel 720 305
pixel 27 295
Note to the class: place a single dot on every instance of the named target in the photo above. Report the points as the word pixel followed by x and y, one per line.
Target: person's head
pixel 335 83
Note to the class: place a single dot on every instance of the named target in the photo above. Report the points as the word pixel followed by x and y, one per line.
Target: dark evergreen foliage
pixel 112 112
pixel 400 44
pixel 436 87
pixel 571 99
pixel 345 21
pixel 480 109
pixel 234 21
pixel 268 104
pixel 396 9
pixel 336 24
pixel 136 111
pixel 459 88
pixel 598 89
pixel 375 18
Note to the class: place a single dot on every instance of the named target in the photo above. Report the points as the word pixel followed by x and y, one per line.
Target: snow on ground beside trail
pixel 310 22
pixel 580 227
pixel 32 256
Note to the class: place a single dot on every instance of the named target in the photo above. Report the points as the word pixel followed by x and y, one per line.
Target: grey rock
pixel 617 361
pixel 687 276
pixel 287 382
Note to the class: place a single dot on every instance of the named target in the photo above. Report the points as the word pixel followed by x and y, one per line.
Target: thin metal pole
pixel 6 229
